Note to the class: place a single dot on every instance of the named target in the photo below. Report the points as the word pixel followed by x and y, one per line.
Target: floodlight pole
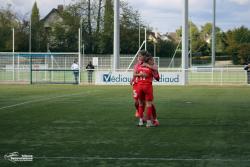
pixel 13 52
pixel 214 33
pixel 81 43
pixel 80 33
pixel 30 36
pixel 190 43
pixel 145 29
pixel 185 41
pixel 116 51
pixel 79 55
pixel 30 51
pixel 154 49
pixel 139 41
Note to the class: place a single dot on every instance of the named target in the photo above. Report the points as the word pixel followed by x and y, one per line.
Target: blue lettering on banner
pixel 107 77
pixel 164 79
pixel 116 79
pixel 120 78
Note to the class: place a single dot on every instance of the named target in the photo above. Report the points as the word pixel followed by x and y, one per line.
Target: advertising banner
pixel 124 78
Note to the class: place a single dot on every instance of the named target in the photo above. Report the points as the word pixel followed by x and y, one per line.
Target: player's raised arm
pixel 155 72
pixel 156 75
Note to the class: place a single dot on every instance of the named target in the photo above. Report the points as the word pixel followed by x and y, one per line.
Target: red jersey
pixel 156 73
pixel 136 67
pixel 148 79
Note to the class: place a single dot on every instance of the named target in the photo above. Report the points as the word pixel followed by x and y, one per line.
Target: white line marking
pixel 43 99
pixel 149 159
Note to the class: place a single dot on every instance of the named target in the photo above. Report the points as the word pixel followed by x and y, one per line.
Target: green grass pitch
pixel 71 126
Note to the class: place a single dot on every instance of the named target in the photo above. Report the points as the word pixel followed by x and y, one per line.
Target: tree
pixel 244 53
pixel 8 20
pixel 107 35
pixel 196 39
pixel 206 33
pixel 236 40
pixel 165 48
pixel 65 34
pixel 22 36
pixel 90 27
pixel 129 24
pixel 35 29
pixel 98 21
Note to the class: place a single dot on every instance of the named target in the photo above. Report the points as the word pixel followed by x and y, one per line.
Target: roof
pixel 50 13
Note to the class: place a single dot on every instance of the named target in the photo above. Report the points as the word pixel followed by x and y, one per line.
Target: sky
pixel 163 15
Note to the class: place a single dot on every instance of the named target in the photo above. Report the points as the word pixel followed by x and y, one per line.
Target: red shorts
pixel 135 92
pixel 145 92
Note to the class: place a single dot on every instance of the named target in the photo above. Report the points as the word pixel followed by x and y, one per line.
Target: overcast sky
pixel 164 15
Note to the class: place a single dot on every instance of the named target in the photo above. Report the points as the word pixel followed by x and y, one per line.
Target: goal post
pixel 52 68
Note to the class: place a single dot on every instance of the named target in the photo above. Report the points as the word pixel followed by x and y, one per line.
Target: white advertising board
pixel 124 78
pixel 95 61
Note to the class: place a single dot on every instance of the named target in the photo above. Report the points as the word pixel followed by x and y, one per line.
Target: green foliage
pixel 244 53
pixel 164 48
pixel 236 41
pixel 107 35
pixel 129 24
pixel 36 28
pixel 233 42
pixel 7 22
pixel 65 34
pixel 22 37
pixel 197 42
pixel 198 39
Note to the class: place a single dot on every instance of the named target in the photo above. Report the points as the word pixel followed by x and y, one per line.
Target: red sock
pixel 137 106
pixel 154 112
pixel 149 112
pixel 141 110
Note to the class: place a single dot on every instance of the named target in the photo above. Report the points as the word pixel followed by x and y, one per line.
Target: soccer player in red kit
pixel 145 92
pixel 134 81
pixel 151 64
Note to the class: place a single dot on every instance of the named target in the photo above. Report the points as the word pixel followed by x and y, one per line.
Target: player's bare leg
pixel 136 102
pixel 149 113
pixel 141 111
pixel 154 115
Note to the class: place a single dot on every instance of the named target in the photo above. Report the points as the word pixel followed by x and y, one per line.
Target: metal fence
pixel 53 67
pixel 217 76
pixel 16 68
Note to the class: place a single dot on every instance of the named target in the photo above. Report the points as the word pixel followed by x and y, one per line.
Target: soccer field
pixel 71 126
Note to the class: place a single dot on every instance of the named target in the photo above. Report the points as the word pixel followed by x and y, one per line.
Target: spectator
pixel 75 69
pixel 246 67
pixel 90 68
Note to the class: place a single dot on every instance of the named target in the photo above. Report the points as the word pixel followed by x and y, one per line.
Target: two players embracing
pixel 145 71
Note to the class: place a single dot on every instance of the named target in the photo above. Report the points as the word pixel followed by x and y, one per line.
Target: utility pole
pixel 116 54
pixel 139 34
pixel 185 41
pixel 30 35
pixel 214 33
